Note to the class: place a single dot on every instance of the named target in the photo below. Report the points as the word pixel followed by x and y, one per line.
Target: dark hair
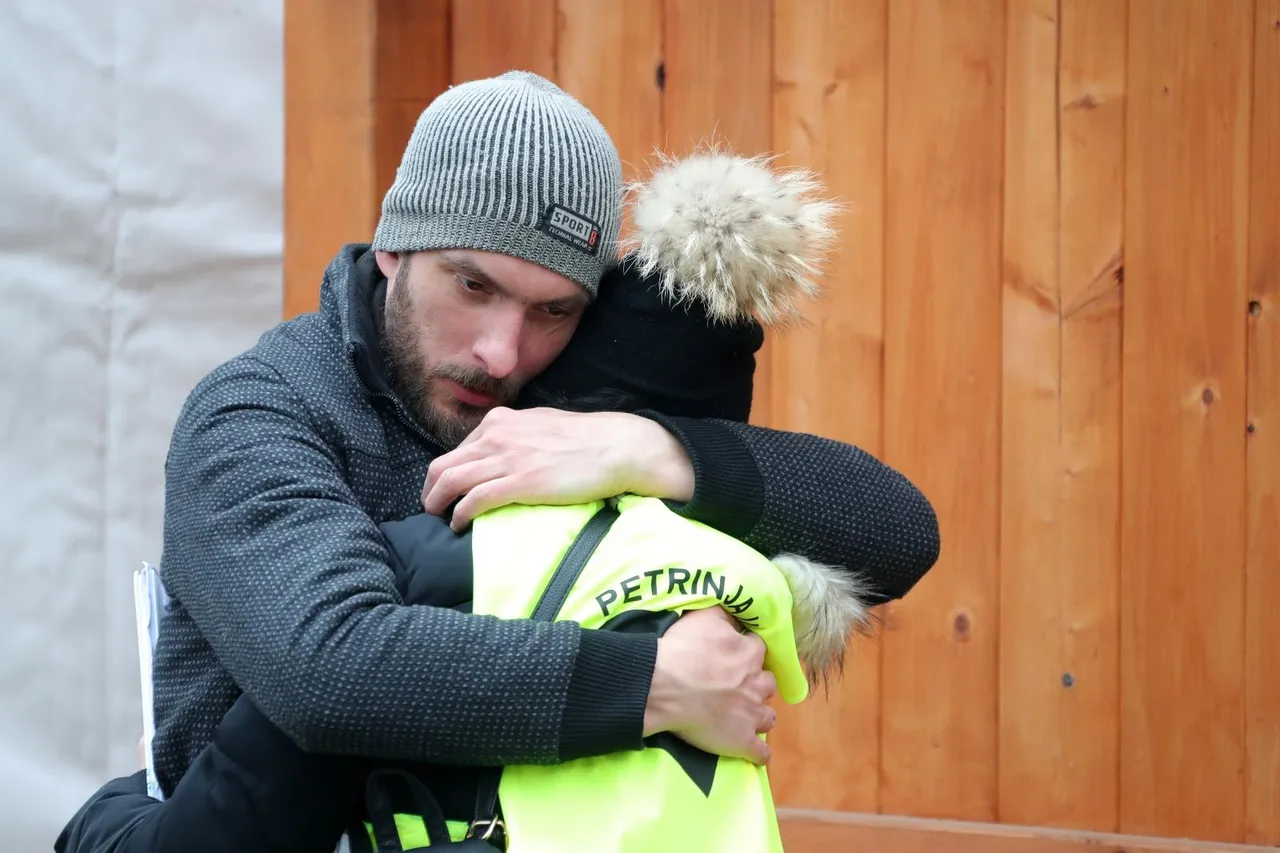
pixel 599 400
pixel 636 349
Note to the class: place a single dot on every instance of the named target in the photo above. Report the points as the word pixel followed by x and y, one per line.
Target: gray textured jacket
pixel 286 458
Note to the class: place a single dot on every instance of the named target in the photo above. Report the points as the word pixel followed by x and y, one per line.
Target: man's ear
pixel 389 262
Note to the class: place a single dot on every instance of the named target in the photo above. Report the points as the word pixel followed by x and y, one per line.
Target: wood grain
pixel 329 182
pixel 942 333
pixel 413 66
pixel 490 37
pixel 719 90
pixel 1262 567
pixel 1183 510
pixel 719 57
pixel 608 56
pixel 1083 790
pixel 347 123
pixel 828 112
pixel 1064 153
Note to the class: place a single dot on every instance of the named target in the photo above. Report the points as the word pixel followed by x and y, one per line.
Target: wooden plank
pixel 712 90
pixel 1091 109
pixel 942 398
pixel 719 66
pixel 493 36
pixel 609 56
pixel 329 196
pixel 1183 553
pixel 828 109
pixel 811 832
pixel 1031 454
pixel 1262 571
pixel 1064 155
pixel 413 67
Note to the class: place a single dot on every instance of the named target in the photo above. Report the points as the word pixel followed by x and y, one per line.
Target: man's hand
pixel 710 687
pixel 548 456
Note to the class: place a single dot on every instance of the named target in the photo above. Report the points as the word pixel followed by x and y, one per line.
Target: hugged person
pixel 725 243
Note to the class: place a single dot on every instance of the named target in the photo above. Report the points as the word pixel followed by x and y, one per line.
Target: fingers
pixel 768 719
pixel 755 651
pixel 470 449
pixel 445 484
pixel 481 499
pixel 758 752
pixel 767 684
pixel 710 615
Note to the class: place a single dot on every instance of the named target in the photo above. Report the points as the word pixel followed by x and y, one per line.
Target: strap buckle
pixel 494 831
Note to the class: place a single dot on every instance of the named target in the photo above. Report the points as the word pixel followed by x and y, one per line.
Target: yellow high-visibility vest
pixel 650 560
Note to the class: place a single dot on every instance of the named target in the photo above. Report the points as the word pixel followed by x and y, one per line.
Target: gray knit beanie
pixel 509 164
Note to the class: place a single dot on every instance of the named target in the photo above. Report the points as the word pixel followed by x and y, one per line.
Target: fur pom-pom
pixel 830 606
pixel 744 238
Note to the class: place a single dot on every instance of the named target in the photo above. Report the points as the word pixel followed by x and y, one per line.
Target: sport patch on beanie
pixel 509 164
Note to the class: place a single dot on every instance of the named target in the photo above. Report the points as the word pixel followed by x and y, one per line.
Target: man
pixel 493 239
pixel 254 791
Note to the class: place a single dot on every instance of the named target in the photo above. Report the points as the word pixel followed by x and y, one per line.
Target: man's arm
pixel 250 791
pixel 780 492
pixel 790 492
pixel 289 581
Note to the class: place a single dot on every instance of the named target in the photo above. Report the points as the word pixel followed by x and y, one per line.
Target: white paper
pixel 148 604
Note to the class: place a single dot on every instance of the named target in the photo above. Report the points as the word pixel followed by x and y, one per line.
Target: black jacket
pixel 251 790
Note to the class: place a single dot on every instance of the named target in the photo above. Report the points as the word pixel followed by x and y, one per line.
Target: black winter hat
pixel 723 247
pixel 634 347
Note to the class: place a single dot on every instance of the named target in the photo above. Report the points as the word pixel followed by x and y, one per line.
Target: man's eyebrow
pixel 569 303
pixel 471 270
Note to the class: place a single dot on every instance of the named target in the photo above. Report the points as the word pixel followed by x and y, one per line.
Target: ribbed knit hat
pixel 724 246
pixel 509 164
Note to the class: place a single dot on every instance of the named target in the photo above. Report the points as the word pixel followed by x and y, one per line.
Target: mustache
pixel 476 379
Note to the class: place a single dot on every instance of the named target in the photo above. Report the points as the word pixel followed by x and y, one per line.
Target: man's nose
pixel 498 347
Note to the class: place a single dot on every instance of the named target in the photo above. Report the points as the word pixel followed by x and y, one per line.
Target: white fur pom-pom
pixel 744 238
pixel 830 606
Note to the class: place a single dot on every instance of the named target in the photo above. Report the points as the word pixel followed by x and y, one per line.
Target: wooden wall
pixel 1056 308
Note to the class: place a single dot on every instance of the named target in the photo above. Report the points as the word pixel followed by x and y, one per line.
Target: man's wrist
pixel 657 464
pixel 661 708
pixel 608 691
pixel 729 489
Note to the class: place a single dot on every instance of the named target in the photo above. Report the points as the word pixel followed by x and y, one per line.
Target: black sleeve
pixel 432 564
pixel 787 492
pixel 250 791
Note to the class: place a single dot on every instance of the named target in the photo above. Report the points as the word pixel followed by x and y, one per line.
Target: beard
pixel 414 382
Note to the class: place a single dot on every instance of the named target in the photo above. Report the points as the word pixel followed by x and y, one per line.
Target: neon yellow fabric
pixel 413 831
pixel 651 559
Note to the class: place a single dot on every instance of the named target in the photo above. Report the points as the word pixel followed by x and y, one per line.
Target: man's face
pixel 466 330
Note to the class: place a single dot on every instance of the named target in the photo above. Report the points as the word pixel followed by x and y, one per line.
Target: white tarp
pixel 140 241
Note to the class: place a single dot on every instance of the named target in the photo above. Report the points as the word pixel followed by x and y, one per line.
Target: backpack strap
pixel 392 790
pixel 488 824
pixel 572 564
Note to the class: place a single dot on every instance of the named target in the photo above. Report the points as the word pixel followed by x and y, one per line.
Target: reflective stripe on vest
pixel 651 560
